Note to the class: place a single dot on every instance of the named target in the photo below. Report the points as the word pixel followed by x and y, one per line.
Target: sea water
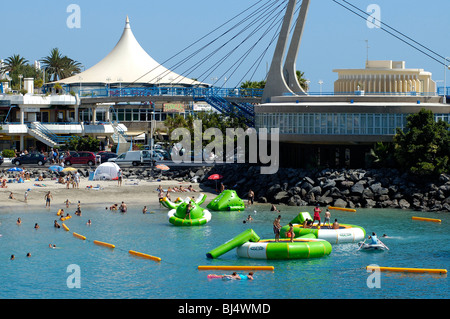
pixel 114 273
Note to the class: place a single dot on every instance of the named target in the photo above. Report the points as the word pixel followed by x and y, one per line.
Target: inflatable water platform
pixel 345 234
pixel 228 200
pixel 171 205
pixel 198 216
pixel 249 245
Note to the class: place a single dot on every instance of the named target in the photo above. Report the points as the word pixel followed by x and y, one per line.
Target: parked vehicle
pixel 132 157
pixel 135 158
pixel 105 156
pixel 35 158
pixel 80 158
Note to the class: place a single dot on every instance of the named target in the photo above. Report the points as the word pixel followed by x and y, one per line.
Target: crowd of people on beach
pixel 166 193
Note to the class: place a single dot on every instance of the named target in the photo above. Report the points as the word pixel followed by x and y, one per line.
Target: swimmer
pixel 28 254
pixel 52 246
pixel 144 210
pixel 56 224
pixel 13 257
pixel 123 207
pixel 249 218
pixel 36 226
pixel 247 277
pixel 89 222
pixel 19 221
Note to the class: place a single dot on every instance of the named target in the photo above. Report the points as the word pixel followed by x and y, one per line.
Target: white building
pixel 384 77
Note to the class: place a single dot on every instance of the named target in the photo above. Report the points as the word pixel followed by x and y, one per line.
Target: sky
pixel 333 39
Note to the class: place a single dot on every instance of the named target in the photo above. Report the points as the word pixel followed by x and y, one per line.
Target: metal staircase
pixel 245 110
pixel 41 133
pixel 120 137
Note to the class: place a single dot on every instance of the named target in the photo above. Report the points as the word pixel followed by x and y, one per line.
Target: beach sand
pixel 132 192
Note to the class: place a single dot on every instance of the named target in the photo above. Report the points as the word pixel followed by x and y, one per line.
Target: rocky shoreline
pixel 351 188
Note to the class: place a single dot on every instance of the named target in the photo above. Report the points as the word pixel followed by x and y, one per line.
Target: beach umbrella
pixel 215 177
pixel 56 168
pixel 15 169
pixel 69 170
pixel 162 167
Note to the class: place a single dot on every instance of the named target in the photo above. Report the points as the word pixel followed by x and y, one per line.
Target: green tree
pixel 301 80
pixel 79 143
pixel 14 65
pixel 382 155
pixel 424 147
pixel 60 67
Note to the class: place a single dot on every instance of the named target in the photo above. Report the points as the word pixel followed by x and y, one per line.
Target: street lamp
pixel 446 66
pixel 320 83
pixel 20 76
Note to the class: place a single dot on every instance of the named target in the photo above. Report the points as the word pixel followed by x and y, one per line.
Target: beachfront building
pixel 129 71
pixel 41 121
pixel 338 130
pixel 384 77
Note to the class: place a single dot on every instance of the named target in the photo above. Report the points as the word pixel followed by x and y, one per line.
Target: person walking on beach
pixel 119 177
pixel 48 197
pixel 277 227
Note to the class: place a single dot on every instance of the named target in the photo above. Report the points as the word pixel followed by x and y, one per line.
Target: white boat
pixel 371 246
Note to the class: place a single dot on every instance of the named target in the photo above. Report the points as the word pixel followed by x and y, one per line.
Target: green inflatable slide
pixel 228 200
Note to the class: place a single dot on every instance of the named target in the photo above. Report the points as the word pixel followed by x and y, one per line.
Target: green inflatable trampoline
pixel 171 205
pixel 198 216
pixel 228 200
pixel 249 245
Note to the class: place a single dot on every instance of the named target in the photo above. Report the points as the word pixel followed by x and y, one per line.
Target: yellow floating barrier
pixel 411 270
pixel 58 213
pixel 270 268
pixel 136 253
pixel 65 218
pixel 104 244
pixel 343 209
pixel 79 236
pixel 65 227
pixel 427 219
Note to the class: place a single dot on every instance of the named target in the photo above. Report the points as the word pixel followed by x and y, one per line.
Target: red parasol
pixel 215 177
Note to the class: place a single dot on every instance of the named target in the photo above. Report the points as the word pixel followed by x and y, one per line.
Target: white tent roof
pixel 129 63
pixel 106 171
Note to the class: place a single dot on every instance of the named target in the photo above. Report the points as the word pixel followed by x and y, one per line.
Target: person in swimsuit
pixel 48 197
pixel 317 212
pixel 276 228
pixel 327 218
pixel 291 232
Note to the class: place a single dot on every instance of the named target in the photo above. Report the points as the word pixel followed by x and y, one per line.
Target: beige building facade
pixel 385 78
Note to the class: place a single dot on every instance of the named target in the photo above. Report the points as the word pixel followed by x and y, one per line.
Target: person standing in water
pixel 277 227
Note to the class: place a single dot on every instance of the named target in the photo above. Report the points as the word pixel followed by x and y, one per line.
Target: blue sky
pixel 334 38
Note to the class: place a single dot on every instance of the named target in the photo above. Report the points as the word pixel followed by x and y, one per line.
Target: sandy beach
pixel 132 192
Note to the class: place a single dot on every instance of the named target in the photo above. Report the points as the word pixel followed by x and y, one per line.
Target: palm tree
pixel 301 80
pixel 13 63
pixel 60 67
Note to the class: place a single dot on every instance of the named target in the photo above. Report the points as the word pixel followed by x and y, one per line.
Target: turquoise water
pixel 113 273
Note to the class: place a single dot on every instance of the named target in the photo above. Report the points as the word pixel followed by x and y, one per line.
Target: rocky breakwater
pixel 351 188
pixel 182 174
